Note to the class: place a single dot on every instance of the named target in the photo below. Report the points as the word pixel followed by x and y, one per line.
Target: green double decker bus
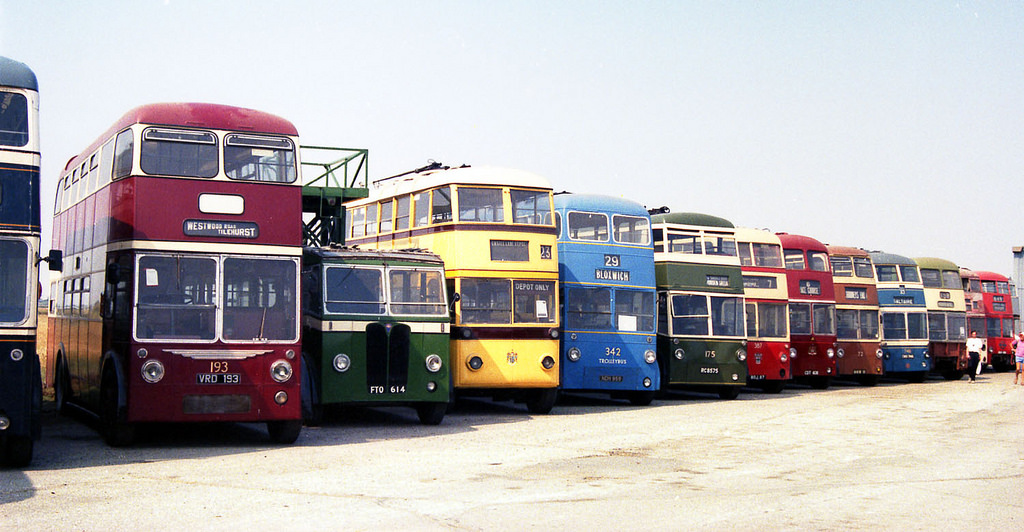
pixel 375 331
pixel 701 334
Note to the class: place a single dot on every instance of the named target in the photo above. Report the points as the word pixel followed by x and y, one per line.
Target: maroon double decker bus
pixel 812 310
pixel 179 295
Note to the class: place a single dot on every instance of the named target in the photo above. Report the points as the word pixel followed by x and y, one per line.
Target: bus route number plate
pixel 218 378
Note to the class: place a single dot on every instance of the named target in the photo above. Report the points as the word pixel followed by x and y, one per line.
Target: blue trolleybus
pixel 904 317
pixel 606 269
pixel 20 380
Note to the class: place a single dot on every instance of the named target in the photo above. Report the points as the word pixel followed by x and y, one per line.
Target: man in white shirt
pixel 975 346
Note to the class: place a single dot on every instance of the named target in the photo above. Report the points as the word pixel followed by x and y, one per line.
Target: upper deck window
pixel 480 205
pixel 887 273
pixel 122 154
pixel 421 208
pixel 1003 287
pixel 13 119
pixel 951 279
pixel 531 207
pixel 794 259
pixel 631 229
pixel 684 243
pixel 177 152
pixel 719 245
pixel 909 274
pixel 441 206
pixel 817 261
pixel 931 278
pixel 842 266
pixel 258 158
pixel 590 226
pixel 862 268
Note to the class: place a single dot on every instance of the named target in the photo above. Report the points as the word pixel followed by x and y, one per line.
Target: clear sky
pixel 896 126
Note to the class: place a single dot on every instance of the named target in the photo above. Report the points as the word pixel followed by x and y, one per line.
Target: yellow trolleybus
pixel 494 228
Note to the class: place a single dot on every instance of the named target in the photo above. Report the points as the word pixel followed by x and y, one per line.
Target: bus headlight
pixel 878 353
pixel 5 422
pixel 547 362
pixel 926 355
pixel 342 362
pixel 783 356
pixel 679 354
pixel 741 355
pixel 792 352
pixel 281 371
pixel 650 356
pixel 434 363
pixel 840 353
pixel 831 353
pixel 152 371
pixel 735 377
pixel 475 363
pixel 17 354
pixel 573 354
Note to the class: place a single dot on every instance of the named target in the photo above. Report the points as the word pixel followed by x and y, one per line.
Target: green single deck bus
pixel 375 331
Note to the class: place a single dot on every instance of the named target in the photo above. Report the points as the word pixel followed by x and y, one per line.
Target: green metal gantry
pixel 323 197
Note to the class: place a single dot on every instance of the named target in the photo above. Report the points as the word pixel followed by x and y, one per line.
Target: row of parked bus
pixel 197 275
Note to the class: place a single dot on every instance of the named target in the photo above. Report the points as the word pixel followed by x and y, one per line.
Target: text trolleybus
pixel 606 273
pixel 903 316
pixel 20 381
pixel 858 352
pixel 947 316
pixel 375 331
pixel 812 309
pixel 767 296
pixel 494 228
pixel 179 296
pixel 701 334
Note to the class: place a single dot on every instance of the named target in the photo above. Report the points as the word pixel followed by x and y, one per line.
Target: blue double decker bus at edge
pixel 606 269
pixel 904 317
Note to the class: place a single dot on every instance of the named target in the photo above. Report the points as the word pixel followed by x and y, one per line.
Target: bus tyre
pixel 542 401
pixel 18 452
pixel 61 387
pixel 284 431
pixel 312 408
pixel 868 380
pixel 772 386
pixel 729 392
pixel 116 432
pixel 953 375
pixel 431 413
pixel 821 383
pixel 642 398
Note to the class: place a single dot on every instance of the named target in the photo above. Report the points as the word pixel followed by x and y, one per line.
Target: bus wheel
pixel 19 451
pixel 542 401
pixel 116 432
pixel 772 386
pixel 821 383
pixel 917 376
pixel 431 413
pixel 953 375
pixel 868 380
pixel 643 398
pixel 61 387
pixel 729 392
pixel 312 409
pixel 284 431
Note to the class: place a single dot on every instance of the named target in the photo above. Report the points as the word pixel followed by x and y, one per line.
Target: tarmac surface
pixel 933 456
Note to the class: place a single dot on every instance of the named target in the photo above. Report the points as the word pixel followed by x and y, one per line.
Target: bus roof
pixel 15 74
pixel 967 273
pixel 880 257
pixel 599 203
pixel 691 218
pixel 759 236
pixel 847 251
pixel 936 263
pixel 801 242
pixel 464 175
pixel 991 276
pixel 376 255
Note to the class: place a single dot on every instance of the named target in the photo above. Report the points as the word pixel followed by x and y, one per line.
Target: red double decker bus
pixel 812 310
pixel 179 294
pixel 998 308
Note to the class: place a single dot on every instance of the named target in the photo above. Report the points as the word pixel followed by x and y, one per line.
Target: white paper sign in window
pixel 221 204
